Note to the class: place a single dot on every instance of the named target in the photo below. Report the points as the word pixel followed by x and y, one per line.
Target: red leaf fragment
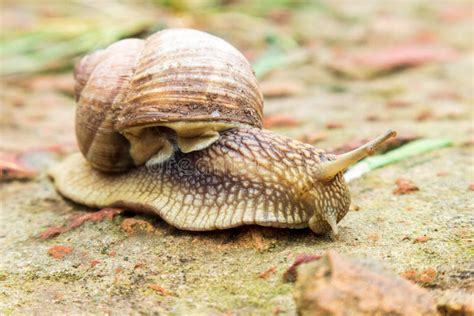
pixel 162 291
pixel 355 207
pixel 404 55
pixel 133 226
pixel 469 142
pixel 456 13
pixel 425 115
pixel 404 186
pixel 59 251
pixel 424 277
pixel 375 61
pixel 373 237
pixel 409 274
pixel 373 118
pixel 334 125
pixel 51 232
pixel 138 265
pixel 265 274
pixel 421 239
pixel 471 186
pixel 106 213
pixel 398 104
pixel 290 274
pixel 95 262
pixel 11 168
pixel 427 276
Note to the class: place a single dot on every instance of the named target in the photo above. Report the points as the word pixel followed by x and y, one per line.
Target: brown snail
pixel 240 175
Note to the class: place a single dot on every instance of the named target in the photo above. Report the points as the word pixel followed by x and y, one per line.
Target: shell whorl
pixel 106 75
pixel 173 77
pixel 191 75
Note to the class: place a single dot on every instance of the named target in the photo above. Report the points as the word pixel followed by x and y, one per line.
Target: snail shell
pixel 249 176
pixel 138 98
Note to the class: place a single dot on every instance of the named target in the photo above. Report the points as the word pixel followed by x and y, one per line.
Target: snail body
pixel 171 125
pixel 248 176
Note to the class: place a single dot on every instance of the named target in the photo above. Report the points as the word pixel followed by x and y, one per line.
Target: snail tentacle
pixel 330 168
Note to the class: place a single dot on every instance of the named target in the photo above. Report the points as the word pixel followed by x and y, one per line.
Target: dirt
pixel 130 264
pixel 219 271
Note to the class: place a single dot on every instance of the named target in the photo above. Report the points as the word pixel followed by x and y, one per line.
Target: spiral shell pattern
pixel 174 77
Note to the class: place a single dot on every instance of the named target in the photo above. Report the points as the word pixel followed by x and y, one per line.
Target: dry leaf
pixel 404 186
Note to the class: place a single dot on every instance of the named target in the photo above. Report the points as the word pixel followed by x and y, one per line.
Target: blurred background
pixel 330 71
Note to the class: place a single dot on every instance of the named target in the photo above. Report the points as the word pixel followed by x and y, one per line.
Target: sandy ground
pixel 219 271
pixel 110 269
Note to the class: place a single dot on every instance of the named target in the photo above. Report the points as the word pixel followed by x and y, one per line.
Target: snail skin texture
pixel 248 176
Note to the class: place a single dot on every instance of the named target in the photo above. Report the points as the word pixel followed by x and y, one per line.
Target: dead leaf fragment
pixel 334 125
pixel 425 115
pixel 421 239
pixel 469 142
pixel 265 274
pixel 11 168
pixel 133 226
pixel 258 240
pixel 138 265
pixel 106 213
pixel 160 290
pixel 355 207
pixel 371 62
pixel 427 276
pixel 398 104
pixel 291 274
pixel 373 237
pixel 373 118
pixel 456 13
pixel 404 186
pixel 59 251
pixel 404 55
pixel 423 277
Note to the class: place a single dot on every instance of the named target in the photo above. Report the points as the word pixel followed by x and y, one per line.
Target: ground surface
pixel 112 268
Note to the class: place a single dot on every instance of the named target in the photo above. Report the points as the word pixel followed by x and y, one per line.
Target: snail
pixel 203 162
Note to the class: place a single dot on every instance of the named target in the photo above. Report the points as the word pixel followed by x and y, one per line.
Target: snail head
pixel 331 194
